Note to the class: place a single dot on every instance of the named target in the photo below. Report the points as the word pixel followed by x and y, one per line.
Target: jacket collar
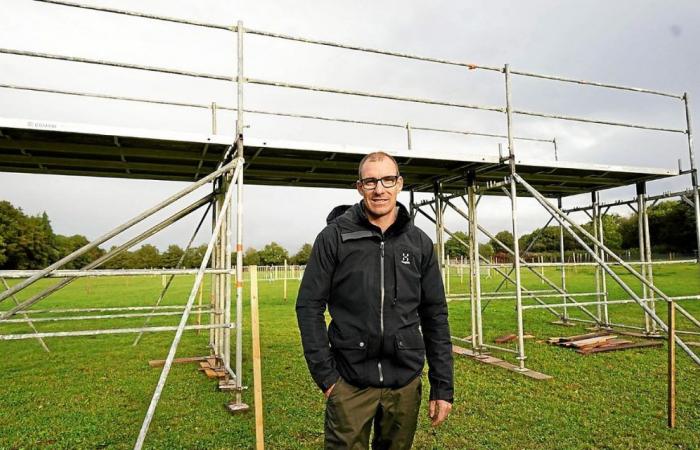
pixel 354 218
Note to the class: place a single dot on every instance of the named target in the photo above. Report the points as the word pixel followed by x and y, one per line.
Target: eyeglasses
pixel 371 183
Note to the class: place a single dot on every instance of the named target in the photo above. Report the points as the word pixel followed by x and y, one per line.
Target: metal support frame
pixel 579 233
pixel 219 328
pixel 219 250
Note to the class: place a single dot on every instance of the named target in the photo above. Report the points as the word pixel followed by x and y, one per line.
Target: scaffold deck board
pixel 491 360
pixel 46 147
pixel 621 345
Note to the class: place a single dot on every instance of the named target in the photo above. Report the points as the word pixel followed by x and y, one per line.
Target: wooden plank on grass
pixel 620 347
pixel 589 341
pixel 507 338
pixel 558 340
pixel 493 361
pixel 511 337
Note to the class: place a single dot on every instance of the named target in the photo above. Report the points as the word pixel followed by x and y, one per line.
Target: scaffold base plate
pixel 236 408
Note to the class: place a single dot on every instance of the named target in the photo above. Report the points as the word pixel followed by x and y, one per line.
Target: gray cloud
pixel 645 44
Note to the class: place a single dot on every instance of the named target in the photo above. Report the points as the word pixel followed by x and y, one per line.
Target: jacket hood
pixel 337 212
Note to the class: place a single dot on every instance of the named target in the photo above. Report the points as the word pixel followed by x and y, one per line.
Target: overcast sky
pixel 648 44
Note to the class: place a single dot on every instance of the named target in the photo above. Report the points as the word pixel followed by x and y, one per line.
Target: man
pixel 379 277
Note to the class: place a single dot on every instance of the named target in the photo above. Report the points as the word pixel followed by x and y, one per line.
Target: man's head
pixel 379 183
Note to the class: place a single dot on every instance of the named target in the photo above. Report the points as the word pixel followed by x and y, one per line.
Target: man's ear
pixel 360 190
pixel 399 183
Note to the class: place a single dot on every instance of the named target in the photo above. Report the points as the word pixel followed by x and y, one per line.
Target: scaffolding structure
pixel 217 160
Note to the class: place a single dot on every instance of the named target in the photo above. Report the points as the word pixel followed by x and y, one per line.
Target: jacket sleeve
pixel 311 306
pixel 435 327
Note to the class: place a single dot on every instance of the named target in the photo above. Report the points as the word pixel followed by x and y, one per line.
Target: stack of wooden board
pixel 599 342
pixel 212 369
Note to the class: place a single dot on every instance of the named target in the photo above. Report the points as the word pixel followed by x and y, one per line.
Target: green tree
pixel 194 256
pixel 146 257
pixel 251 257
pixel 273 254
pixel 28 242
pixel 504 236
pixel 171 256
pixel 303 255
pixel 65 245
pixel 454 248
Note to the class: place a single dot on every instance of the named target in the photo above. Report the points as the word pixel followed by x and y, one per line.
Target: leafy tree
pixel 28 242
pixel 504 236
pixel 146 257
pixel 194 256
pixel 121 261
pixel 171 256
pixel 251 257
pixel 3 258
pixel 303 255
pixel 454 248
pixel 65 245
pixel 273 254
pixel 486 250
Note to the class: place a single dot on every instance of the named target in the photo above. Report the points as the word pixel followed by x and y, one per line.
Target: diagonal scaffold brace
pixel 237 164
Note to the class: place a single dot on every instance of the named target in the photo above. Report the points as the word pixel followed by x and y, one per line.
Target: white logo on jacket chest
pixel 405 258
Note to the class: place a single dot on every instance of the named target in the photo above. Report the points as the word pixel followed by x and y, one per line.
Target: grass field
pixel 93 392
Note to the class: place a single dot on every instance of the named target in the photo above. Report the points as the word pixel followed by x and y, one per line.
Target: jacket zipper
pixel 381 307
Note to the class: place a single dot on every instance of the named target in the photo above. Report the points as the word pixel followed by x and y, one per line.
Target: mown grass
pixel 93 392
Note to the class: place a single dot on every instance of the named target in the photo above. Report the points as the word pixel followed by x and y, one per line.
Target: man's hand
pixel 329 390
pixel 439 410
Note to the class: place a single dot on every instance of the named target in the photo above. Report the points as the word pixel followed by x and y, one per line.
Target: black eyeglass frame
pixel 391 179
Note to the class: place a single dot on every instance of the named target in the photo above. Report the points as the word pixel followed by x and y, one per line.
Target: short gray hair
pixel 373 157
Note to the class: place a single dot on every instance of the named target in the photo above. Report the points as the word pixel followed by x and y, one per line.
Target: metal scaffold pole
pixel 596 233
pixel 514 221
pixel 641 211
pixel 603 275
pixel 693 173
pixel 474 260
pixel 562 258
pixel 238 405
pixel 439 231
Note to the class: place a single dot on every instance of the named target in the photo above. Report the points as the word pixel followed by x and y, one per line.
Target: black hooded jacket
pixel 387 303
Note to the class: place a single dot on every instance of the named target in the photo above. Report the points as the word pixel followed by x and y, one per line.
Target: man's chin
pixel 379 211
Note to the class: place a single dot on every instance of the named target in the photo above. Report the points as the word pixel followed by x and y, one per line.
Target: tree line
pixel 29 242
pixel 671 229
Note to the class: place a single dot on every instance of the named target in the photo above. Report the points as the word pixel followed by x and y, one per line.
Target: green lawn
pixel 93 392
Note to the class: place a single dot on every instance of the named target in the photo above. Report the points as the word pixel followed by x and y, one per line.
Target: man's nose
pixel 380 187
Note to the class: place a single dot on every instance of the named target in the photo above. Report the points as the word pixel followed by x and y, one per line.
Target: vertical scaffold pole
pixel 475 269
pixel 565 311
pixel 227 281
pixel 412 205
pixel 603 274
pixel 408 136
pixel 216 264
pixel 693 173
pixel 641 211
pixel 595 211
pixel 649 263
pixel 671 364
pixel 472 284
pixel 239 220
pixel 514 218
pixel 439 230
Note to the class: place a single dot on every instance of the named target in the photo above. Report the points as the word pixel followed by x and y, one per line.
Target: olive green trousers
pixel 351 411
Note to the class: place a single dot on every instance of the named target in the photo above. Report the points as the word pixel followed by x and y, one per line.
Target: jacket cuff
pixel 329 381
pixel 446 394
